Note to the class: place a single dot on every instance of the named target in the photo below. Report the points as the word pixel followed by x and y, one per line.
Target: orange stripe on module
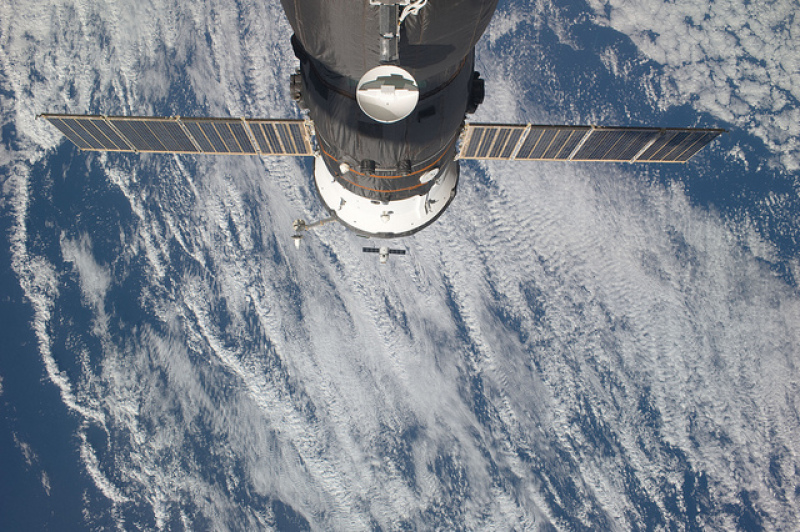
pixel 434 163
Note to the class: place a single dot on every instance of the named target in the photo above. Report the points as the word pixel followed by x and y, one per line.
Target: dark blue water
pixel 33 416
pixel 38 441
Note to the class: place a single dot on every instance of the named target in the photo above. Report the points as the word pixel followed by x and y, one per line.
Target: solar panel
pixel 582 143
pixel 150 134
pixel 678 145
pixel 84 133
pixel 490 141
pixel 605 144
pixel 281 136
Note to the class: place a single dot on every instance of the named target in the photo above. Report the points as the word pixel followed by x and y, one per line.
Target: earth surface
pixel 570 347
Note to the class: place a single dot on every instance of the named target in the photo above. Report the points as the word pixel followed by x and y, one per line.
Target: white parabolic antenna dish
pixel 387 93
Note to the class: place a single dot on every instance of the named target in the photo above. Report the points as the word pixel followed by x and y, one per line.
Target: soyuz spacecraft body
pixel 386 86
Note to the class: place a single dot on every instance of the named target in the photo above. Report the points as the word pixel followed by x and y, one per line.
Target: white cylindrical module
pixel 385 219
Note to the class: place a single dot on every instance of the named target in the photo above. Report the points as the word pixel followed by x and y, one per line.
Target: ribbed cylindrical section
pixel 388 184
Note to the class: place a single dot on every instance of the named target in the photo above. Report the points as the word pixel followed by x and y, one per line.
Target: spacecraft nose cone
pixel 387 93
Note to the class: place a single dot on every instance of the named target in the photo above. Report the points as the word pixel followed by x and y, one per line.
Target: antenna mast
pixel 300 226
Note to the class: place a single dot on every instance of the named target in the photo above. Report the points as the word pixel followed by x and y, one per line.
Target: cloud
pixel 94 278
pixel 737 60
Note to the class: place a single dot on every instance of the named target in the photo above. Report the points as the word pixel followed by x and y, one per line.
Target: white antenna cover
pixel 387 93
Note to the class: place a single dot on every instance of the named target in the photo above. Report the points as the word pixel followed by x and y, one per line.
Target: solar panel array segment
pixel 185 135
pixel 666 143
pixel 138 134
pixel 272 138
pixel 583 143
pixel 566 140
pixel 219 135
pixel 110 133
pixel 211 133
pixel 553 146
pixel 471 144
pixel 614 144
pixel 92 131
pixel 513 140
pixel 629 144
pixel 501 138
pixel 286 138
pixel 225 133
pixel 75 134
pixel 146 136
pixel 172 136
pixel 258 136
pixel 529 144
pixel 688 143
pixel 246 135
pixel 486 142
pixel 678 145
pixel 265 137
pixel 539 141
pixel 280 137
pixel 555 143
pixel 299 138
pixel 225 142
pixel 632 143
pixel 491 141
pixel 659 148
pixel 242 139
pixel 699 141
pixel 193 128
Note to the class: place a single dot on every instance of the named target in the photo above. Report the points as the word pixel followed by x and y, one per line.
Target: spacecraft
pixel 385 88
